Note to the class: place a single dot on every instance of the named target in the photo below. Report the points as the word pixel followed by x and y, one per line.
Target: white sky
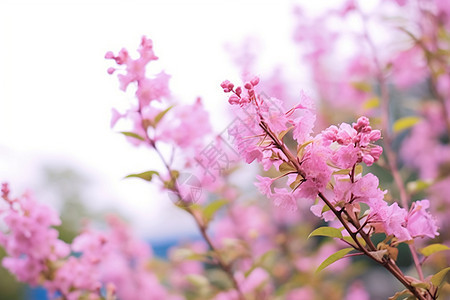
pixel 56 97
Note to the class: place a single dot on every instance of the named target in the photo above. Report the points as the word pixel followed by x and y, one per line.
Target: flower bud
pixel 234 100
pixel 109 55
pixel 255 81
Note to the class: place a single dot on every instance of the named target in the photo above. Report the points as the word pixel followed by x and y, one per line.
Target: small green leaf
pixel 418 186
pixel 197 280
pixel 161 115
pixel 133 135
pixel 296 182
pixel 358 169
pixel 325 208
pixel 361 86
pixel 175 174
pixel 439 277
pixel 212 208
pixel 351 241
pixel 342 172
pixel 326 231
pixel 301 148
pixel 373 102
pixel 286 167
pixel 148 176
pixel 405 123
pixel 332 258
pixel 284 132
pixel 421 285
pixel 430 249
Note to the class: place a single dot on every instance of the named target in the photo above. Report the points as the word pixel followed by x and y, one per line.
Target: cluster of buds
pixel 358 139
pixel 237 97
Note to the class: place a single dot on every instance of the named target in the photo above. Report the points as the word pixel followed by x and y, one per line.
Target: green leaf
pixel 341 172
pixel 161 115
pixel 284 132
pixel 175 174
pixel 133 135
pixel 332 258
pixel 148 176
pixel 361 86
pixel 439 277
pixel 421 285
pixel 286 167
pixel 358 169
pixel 430 249
pixel 326 231
pixel 405 123
pixel 212 208
pixel 296 182
pixel 302 147
pixel 373 102
pixel 418 186
pixel 197 280
pixel 351 241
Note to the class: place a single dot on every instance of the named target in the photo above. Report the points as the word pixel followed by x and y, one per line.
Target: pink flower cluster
pixel 356 143
pixel 31 242
pixel 337 149
pixel 176 127
pixel 116 260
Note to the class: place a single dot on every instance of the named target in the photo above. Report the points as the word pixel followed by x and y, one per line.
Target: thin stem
pixel 224 266
pixel 200 225
pixel 387 263
pixel 391 267
pixel 416 261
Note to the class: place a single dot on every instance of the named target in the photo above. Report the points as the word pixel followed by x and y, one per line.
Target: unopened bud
pixel 109 55
pixel 255 80
pixel 224 84
pixel 234 99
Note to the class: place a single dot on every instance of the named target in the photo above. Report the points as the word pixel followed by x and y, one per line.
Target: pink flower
pixel 420 222
pixel 30 241
pixel 285 199
pixel 366 188
pixel 303 127
pixel 392 219
pixel 153 89
pixel 317 171
pixel 346 157
pixel 264 185
pixel 185 126
pixel 342 189
pixel 360 135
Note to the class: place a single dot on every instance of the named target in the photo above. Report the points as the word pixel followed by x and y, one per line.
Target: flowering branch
pixel 341 149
